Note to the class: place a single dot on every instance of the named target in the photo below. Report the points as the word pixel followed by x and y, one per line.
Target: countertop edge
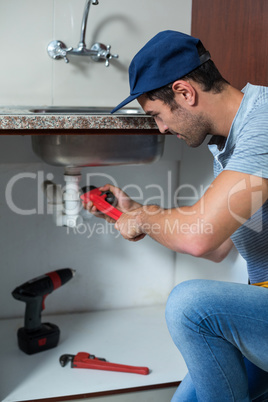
pixel 20 121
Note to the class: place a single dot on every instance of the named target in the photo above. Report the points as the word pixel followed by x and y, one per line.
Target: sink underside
pixel 98 150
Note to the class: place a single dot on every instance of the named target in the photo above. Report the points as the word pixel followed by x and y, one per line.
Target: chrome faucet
pixel 98 52
pixel 82 42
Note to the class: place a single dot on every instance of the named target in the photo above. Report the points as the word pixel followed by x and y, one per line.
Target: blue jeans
pixel 221 330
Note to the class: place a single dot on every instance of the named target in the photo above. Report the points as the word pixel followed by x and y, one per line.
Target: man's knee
pixel 184 305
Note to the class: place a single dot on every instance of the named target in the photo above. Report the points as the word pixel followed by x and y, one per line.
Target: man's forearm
pixel 181 229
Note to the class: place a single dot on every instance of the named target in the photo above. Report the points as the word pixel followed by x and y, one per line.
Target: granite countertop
pixel 34 118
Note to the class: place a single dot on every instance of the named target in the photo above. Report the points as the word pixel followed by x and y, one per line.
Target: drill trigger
pixel 43 302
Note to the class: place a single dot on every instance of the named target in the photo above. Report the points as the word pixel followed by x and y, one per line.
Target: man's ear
pixel 186 90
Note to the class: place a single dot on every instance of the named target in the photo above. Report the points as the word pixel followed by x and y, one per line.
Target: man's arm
pixel 202 228
pixel 221 252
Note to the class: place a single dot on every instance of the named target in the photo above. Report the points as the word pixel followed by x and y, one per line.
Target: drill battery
pixel 44 338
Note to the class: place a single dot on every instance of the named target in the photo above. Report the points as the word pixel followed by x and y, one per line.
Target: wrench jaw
pixel 65 359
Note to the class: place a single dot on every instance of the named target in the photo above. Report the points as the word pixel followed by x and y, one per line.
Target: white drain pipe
pixel 65 202
pixel 71 198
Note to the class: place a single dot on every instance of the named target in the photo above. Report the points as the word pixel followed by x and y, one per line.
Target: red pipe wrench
pixel 103 201
pixel 88 361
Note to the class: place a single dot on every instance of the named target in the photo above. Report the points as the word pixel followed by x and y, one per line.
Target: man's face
pixel 188 126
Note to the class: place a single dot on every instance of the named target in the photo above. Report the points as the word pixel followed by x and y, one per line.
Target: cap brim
pixel 125 102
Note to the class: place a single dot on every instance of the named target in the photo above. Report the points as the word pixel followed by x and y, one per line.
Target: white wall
pixel 111 272
pixel 29 77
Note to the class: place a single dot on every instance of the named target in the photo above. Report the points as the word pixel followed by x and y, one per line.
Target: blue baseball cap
pixel 167 57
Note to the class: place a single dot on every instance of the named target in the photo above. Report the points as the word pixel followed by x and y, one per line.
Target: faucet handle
pixel 57 50
pixel 102 52
pixel 64 54
pixel 109 56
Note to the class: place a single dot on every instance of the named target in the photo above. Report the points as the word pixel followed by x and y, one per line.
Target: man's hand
pixel 125 203
pixel 129 227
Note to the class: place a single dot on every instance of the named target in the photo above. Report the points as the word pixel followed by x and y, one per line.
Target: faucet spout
pixel 82 42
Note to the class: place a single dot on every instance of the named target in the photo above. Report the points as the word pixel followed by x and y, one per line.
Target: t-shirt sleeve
pixel 250 154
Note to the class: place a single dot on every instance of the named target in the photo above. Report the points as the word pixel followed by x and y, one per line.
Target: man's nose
pixel 163 128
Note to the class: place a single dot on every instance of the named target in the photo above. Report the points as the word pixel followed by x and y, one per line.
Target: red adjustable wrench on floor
pixel 103 201
pixel 88 361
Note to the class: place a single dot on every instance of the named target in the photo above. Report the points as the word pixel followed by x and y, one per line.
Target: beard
pixel 194 127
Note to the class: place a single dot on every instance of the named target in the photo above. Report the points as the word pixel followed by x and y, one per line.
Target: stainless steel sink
pixel 85 110
pixel 98 150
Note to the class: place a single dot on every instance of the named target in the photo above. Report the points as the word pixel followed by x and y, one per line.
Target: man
pixel 220 328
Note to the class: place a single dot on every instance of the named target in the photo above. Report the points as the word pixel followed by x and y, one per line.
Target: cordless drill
pixel 34 336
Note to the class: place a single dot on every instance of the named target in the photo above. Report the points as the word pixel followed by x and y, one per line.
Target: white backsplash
pixel 30 77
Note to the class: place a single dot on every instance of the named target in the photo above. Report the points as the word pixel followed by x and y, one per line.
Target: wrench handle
pixel 83 360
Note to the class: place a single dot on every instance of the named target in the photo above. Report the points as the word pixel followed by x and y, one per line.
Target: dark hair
pixel 207 75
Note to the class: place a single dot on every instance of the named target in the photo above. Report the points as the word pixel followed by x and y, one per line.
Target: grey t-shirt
pixel 246 150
